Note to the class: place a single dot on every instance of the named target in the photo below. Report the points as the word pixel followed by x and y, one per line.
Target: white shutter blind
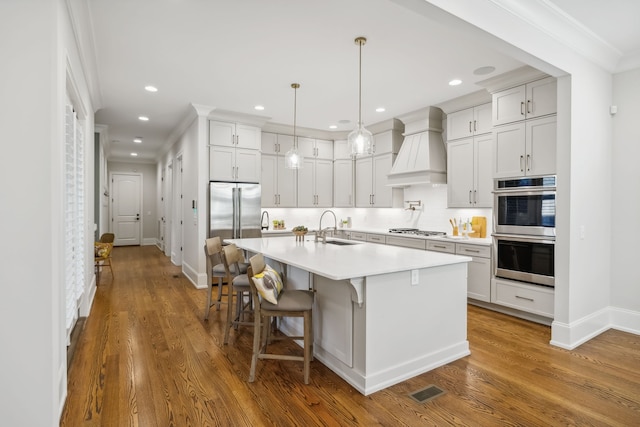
pixel 74 217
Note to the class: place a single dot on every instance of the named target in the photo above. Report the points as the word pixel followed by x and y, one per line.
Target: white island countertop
pixel 337 262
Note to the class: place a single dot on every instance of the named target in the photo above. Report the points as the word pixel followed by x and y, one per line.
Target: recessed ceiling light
pixel 333 127
pixel 137 140
pixel 143 118
pixel 455 82
pixel 151 88
pixel 259 107
pixel 134 154
pixel 484 70
pixel 380 109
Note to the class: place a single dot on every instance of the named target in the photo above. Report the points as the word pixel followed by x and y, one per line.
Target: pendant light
pixel 293 159
pixel 360 139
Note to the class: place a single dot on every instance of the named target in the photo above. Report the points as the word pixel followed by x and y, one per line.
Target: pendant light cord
pixel 360 85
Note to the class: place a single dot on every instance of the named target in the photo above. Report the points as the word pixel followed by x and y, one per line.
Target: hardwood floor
pixel 146 358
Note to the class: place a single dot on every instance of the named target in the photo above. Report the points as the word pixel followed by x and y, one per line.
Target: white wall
pixel 149 212
pixel 625 275
pixel 37 48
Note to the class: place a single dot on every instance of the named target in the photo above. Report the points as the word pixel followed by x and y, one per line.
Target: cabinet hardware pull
pixel 439 247
pixel 521 168
pixel 525 298
pixel 522 108
pixel 475 196
pixel 528 105
pixel 469 127
pixel 472 251
pixel 475 127
pixel 528 162
pixel 237 139
pixel 470 202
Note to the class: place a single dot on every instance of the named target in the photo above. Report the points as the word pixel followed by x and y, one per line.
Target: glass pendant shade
pixel 292 158
pixel 360 140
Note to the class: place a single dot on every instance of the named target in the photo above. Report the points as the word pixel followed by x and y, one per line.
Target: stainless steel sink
pixel 340 243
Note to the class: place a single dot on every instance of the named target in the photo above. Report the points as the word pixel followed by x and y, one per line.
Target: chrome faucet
pixel 322 233
pixel 262 226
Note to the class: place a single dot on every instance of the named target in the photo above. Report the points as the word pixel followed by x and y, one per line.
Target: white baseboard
pixel 625 320
pixel 149 241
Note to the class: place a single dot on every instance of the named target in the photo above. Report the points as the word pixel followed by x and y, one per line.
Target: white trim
pixel 625 320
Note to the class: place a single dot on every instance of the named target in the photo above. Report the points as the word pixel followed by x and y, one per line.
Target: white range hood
pixel 422 158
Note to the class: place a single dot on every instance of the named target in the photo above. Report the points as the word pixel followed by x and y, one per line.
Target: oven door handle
pixel 525 238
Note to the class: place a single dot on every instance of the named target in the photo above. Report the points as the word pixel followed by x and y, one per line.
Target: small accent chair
pixel 232 258
pixel 291 303
pixel 102 253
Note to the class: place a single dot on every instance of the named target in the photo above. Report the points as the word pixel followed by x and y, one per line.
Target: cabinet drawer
pixel 356 235
pixel 407 242
pixel 376 238
pixel 533 299
pixel 473 250
pixel 449 247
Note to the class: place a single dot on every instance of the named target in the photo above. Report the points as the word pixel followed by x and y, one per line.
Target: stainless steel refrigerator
pixel 234 210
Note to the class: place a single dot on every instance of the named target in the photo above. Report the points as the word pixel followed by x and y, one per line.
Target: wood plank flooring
pixel 145 357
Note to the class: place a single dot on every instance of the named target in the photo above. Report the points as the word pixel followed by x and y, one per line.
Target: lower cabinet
pixel 521 296
pixel 479 270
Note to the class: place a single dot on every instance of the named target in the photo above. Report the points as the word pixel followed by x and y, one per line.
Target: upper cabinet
pixel 469 174
pixel 315 183
pixel 525 148
pixel 469 122
pixel 234 152
pixel 315 148
pixel 278 182
pixel 532 100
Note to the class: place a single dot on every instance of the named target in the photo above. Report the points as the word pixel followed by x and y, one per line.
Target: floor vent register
pixel 426 394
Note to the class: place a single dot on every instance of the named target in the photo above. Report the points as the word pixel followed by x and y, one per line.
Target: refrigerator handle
pixel 239 213
pixel 234 226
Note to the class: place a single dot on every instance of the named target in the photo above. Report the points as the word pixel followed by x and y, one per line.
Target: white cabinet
pixel 440 246
pixel 478 270
pixel 469 122
pixel 535 99
pixel 234 164
pixel 376 238
pixel 343 183
pixel 371 181
pixel 315 148
pixel 315 183
pixel 525 148
pixel 341 150
pixel 469 172
pixel 234 152
pixel 406 242
pixel 278 182
pixel 524 297
pixel 234 135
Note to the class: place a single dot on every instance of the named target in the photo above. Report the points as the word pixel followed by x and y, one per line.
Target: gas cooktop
pixel 416 232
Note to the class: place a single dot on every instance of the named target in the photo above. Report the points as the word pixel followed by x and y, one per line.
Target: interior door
pixel 126 208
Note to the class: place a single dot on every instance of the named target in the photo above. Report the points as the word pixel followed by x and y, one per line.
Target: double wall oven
pixel 525 229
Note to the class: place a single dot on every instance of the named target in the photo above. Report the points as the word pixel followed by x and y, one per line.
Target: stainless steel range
pixel 416 232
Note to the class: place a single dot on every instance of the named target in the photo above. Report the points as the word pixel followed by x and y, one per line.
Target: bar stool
pixel 216 269
pixel 289 303
pixel 232 258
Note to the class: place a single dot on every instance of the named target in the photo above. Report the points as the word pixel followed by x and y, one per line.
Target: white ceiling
pixel 231 55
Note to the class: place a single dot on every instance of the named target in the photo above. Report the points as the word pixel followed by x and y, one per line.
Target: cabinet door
pixel 248 137
pixel 221 163
pixel 341 150
pixel 483 169
pixel 460 124
pixel 269 180
pixel 343 183
pixel 509 148
pixel 222 133
pixel 541 146
pixel 324 183
pixel 460 173
pixel 479 279
pixel 508 105
pixel 306 146
pixel 269 143
pixel 542 98
pixel 306 192
pixel 286 184
pixel 364 185
pixel 248 165
pixel 324 149
pixel 285 143
pixel 382 194
pixel 482 121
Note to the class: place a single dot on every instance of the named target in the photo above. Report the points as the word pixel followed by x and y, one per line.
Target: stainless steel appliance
pixel 525 206
pixel 234 210
pixel 524 258
pixel 416 232
pixel 524 226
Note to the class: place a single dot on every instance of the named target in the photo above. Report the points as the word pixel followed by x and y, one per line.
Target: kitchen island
pixel 382 314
